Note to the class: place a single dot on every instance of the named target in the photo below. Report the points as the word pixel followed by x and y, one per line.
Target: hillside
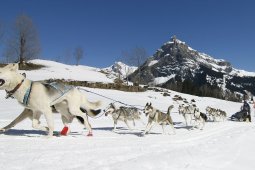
pixel 55 70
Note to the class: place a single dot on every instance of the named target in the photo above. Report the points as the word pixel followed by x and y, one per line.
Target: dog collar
pixel 10 93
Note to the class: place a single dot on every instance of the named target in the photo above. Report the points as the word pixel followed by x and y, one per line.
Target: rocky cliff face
pixel 179 67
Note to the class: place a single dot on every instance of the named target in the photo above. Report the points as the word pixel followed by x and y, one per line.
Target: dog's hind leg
pixel 66 121
pixel 77 112
pixel 128 125
pixel 171 124
pixel 66 117
pixel 134 122
pixel 203 124
pixel 163 128
pixel 27 113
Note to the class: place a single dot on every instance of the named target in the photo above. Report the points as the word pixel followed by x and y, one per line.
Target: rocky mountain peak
pixel 175 62
pixel 119 70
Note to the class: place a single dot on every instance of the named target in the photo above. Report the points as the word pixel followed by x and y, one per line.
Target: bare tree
pixel 78 54
pixel 24 44
pixel 135 57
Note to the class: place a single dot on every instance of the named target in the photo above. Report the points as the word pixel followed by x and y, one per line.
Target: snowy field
pixel 220 146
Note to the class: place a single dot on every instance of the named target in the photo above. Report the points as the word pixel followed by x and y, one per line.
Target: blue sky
pixel 103 28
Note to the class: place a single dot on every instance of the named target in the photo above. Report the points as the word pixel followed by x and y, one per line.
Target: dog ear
pixel 150 103
pixel 24 74
pixel 146 104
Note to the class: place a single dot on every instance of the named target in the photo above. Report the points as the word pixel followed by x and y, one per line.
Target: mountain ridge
pixel 186 70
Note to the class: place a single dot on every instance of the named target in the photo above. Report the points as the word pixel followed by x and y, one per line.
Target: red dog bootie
pixel 90 134
pixel 65 131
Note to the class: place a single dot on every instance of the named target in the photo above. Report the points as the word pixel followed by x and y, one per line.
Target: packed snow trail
pixel 220 146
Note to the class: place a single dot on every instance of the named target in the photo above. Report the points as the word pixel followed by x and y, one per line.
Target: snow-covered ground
pixel 220 146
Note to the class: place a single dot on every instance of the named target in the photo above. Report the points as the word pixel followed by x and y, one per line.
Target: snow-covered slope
pixel 221 145
pixel 71 72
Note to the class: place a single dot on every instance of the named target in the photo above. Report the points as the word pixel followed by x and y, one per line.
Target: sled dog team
pixel 43 98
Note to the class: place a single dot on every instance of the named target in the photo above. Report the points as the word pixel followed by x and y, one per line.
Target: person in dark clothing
pixel 246 107
pixel 253 103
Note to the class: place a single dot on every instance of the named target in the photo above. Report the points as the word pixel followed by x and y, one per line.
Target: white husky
pixel 40 99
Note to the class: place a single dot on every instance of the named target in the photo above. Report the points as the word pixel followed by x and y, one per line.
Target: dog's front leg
pixel 148 128
pixel 114 125
pixel 36 122
pixel 49 119
pixel 203 125
pixel 27 113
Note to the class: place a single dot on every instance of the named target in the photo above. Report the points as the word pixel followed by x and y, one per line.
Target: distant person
pixel 246 107
pixel 253 106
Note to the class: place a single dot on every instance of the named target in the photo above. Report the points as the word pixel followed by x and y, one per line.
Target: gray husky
pixel 156 116
pixel 39 99
pixel 216 114
pixel 123 114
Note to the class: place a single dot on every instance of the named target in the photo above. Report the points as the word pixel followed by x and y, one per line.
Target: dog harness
pixel 60 88
pixel 27 94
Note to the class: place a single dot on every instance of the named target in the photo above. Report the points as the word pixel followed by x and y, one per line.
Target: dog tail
pixel 91 105
pixel 80 119
pixel 91 108
pixel 169 109
pixel 90 112
pixel 203 116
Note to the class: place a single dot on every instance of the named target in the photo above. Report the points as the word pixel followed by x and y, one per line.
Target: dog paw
pixel 47 137
pixel 65 131
pixel 90 134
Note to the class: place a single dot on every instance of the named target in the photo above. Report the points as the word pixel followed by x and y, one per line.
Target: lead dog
pixel 27 113
pixel 38 98
pixel 156 116
pixel 123 114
